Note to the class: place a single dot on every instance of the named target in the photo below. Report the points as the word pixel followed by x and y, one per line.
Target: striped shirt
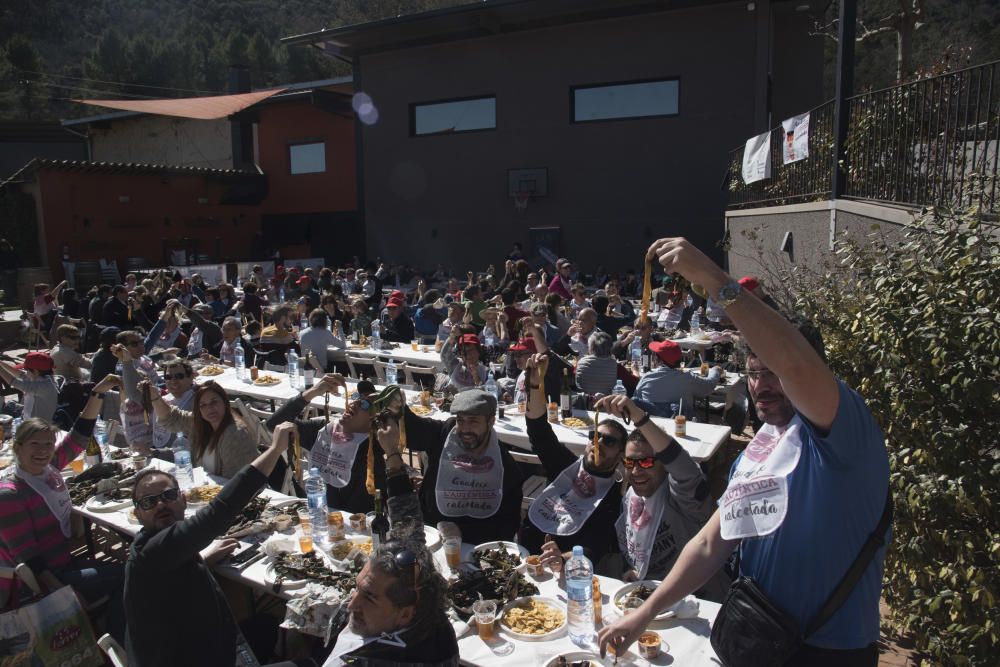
pixel 29 531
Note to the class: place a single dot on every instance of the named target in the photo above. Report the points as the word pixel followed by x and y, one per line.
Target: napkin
pixel 686 608
pixel 278 543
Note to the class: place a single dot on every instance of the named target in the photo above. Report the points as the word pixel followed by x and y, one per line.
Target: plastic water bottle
pixel 619 389
pixel 303 323
pixel 101 436
pixel 636 354
pixel 391 375
pixel 580 598
pixel 489 338
pixel 491 384
pixel 316 500
pixel 239 361
pixel 281 294
pixel 376 335
pixel 184 472
pixel 696 321
pixel 293 369
pixel 194 344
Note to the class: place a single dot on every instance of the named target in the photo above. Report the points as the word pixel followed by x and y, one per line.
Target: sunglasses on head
pixel 406 561
pixel 147 503
pixel 643 462
pixel 605 439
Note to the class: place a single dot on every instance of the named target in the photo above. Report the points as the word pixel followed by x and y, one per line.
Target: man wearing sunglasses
pixel 167 579
pixel 338 447
pixel 667 502
pixel 397 613
pixel 582 501
pixel 130 352
pixel 807 493
pixel 178 377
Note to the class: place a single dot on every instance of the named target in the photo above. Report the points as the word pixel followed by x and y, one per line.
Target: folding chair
pixel 534 484
pixel 23 573
pixel 254 419
pixel 419 375
pixel 355 362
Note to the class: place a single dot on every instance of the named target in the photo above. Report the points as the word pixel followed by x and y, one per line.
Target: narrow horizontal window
pixel 467 115
pixel 307 158
pixel 640 99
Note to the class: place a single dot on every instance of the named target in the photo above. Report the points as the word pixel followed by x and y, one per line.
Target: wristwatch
pixel 729 293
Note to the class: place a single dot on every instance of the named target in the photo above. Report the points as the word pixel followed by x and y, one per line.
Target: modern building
pixel 218 178
pixel 605 119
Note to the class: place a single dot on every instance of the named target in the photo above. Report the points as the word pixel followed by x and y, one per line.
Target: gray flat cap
pixel 474 402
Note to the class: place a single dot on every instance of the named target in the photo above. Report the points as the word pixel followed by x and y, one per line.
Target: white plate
pixel 270 577
pixel 341 563
pixel 575 656
pixel 432 537
pixel 509 547
pixel 533 638
pixel 100 503
pixel 628 588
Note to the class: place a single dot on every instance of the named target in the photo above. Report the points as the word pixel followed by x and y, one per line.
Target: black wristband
pixel 642 422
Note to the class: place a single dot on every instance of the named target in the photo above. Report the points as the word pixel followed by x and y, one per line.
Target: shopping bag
pixel 51 632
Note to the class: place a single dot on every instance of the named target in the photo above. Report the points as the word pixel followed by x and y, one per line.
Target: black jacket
pixel 354 497
pixel 176 613
pixel 399 330
pixel 428 435
pixel 597 534
pixel 115 314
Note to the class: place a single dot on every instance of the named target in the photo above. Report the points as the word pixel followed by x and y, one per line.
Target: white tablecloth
pixel 429 359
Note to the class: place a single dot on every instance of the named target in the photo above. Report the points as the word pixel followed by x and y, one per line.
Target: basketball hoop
pixel 521 201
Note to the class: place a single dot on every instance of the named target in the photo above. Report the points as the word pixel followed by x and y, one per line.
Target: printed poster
pixel 757 158
pixel 795 146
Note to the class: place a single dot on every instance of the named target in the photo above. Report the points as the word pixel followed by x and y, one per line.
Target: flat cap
pixel 474 402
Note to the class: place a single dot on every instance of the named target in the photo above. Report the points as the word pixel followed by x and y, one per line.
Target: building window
pixel 307 158
pixel 468 115
pixel 637 99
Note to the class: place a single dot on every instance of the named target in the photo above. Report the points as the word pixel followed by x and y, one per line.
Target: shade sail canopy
pixel 202 108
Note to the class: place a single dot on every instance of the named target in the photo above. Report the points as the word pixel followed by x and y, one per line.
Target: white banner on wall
pixel 757 158
pixel 795 145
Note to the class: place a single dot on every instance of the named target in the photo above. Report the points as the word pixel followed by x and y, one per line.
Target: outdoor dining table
pixel 685 640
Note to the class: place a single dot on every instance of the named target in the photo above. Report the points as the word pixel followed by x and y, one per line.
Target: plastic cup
pixel 305 542
pixel 649 645
pixel 486 615
pixel 414 344
pixel 535 567
pixel 305 519
pixel 453 551
pixel 359 523
pixel 76 465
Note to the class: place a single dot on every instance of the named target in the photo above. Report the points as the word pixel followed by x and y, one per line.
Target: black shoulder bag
pixel 751 631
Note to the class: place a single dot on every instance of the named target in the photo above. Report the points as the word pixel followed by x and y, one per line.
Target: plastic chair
pixel 354 362
pixel 114 650
pixel 534 484
pixel 413 372
pixel 380 367
pixel 22 572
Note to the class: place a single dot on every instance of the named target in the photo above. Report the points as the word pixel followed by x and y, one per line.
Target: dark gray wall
pixel 613 186
pixel 16 154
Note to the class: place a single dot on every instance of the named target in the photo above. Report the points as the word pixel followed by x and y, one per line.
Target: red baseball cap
pixel 396 294
pixel 524 345
pixel 469 339
pixel 749 283
pixel 394 301
pixel 303 279
pixel 37 361
pixel 668 351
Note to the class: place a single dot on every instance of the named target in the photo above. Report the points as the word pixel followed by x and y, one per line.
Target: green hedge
pixel 912 321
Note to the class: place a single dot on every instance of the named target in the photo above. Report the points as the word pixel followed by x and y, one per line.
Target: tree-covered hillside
pixel 54 50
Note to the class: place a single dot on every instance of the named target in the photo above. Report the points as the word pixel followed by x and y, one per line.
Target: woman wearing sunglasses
pixel 582 501
pixel 667 503
pixel 219 443
pixel 35 510
pixel 338 447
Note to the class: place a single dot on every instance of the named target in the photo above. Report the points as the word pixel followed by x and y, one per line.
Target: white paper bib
pixel 638 525
pixel 756 500
pixel 334 453
pixel 52 488
pixel 469 485
pixel 565 505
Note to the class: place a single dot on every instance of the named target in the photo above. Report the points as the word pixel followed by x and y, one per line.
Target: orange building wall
pixel 295 122
pixel 83 210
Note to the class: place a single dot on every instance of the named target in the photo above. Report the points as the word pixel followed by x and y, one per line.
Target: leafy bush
pixel 912 321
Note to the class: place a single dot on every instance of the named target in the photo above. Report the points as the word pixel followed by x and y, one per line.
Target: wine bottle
pixel 564 398
pixel 380 524
pixel 93 453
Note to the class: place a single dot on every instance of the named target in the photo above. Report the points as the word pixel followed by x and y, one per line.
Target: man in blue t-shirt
pixel 803 496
